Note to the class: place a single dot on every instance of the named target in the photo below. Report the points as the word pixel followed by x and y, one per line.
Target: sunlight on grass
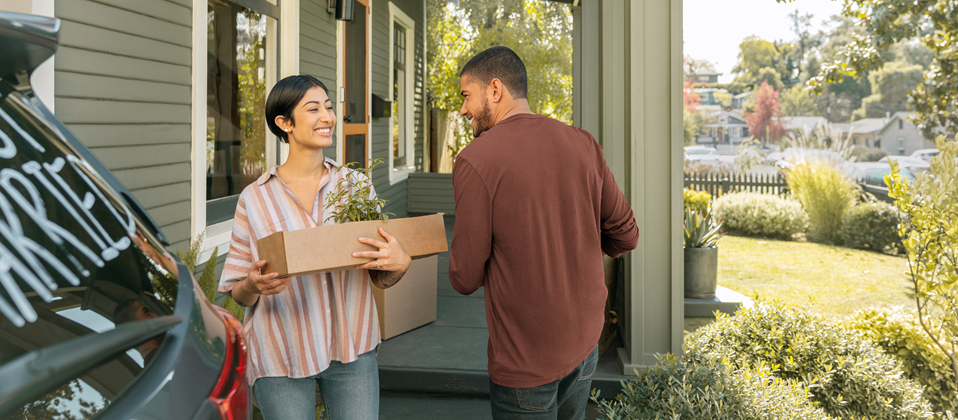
pixel 830 281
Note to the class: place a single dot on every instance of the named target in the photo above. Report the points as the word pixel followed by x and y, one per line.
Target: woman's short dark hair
pixel 284 97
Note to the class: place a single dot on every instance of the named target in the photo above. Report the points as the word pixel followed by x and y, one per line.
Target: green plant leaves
pixel 352 200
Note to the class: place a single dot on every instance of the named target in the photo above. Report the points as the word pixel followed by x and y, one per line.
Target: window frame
pixel 397 16
pixel 281 59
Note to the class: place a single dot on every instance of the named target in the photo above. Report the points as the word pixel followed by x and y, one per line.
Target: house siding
pixel 123 85
pixel 395 194
pixel 914 140
pixel 317 49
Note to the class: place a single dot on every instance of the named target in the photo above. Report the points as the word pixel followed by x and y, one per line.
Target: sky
pixel 714 28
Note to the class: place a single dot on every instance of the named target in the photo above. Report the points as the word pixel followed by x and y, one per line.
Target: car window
pixel 75 261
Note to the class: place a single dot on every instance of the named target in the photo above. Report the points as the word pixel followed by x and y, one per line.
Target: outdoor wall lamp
pixel 343 9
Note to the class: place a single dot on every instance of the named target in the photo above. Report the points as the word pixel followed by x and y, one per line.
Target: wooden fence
pixel 717 184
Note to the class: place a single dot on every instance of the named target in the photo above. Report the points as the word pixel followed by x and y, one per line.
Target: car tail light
pixel 231 393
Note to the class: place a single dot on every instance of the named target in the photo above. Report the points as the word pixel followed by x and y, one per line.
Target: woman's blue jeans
pixel 350 392
pixel 563 399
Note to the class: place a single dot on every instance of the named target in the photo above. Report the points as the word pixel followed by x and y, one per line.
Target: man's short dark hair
pixel 499 63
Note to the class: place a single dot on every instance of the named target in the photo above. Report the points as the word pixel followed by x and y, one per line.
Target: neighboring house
pixel 177 113
pixel 864 132
pixel 707 96
pixel 901 137
pixel 704 76
pixel 796 126
pixel 739 101
pixel 725 128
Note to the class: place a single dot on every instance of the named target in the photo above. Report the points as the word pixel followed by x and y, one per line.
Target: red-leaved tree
pixel 761 119
pixel 690 99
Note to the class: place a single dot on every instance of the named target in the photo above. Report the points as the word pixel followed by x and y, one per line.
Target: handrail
pixel 42 370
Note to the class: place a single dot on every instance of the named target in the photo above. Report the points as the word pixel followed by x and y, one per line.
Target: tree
pixel 884 23
pixel 890 87
pixel 929 232
pixel 692 123
pixel 756 54
pixel 760 119
pixel 539 31
pixel 770 76
pixel 724 99
pixel 799 102
pixel 692 66
pixel 690 99
pixel 805 41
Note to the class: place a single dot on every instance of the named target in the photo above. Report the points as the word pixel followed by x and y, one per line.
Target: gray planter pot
pixel 701 273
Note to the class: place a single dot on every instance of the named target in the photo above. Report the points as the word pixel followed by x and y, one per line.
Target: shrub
pixel 868 154
pixel 899 335
pixel 872 226
pixel 761 214
pixel 846 374
pixel 708 390
pixel 697 201
pixel 826 193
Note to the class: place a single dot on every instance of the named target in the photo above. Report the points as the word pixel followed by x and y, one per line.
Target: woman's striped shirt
pixel 319 317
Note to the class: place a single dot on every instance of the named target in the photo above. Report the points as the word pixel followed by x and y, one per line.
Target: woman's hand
pixel 259 284
pixel 390 262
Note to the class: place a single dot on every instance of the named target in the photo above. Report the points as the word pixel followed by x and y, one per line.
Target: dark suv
pixel 97 319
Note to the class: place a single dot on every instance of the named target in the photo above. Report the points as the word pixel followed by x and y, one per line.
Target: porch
pixel 448 357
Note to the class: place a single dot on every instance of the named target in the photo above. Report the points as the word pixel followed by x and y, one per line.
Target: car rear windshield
pixel 75 260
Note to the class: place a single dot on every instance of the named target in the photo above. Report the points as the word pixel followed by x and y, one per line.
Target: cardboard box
pixel 330 247
pixel 411 303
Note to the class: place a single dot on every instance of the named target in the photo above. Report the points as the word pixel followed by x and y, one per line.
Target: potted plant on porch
pixel 701 254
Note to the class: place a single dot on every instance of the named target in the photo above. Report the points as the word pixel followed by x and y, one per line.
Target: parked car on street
pixel 873 173
pixel 694 153
pixel 97 318
pixel 925 154
pixel 913 163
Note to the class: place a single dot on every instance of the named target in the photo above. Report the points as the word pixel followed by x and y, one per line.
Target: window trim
pixel 396 15
pixel 285 55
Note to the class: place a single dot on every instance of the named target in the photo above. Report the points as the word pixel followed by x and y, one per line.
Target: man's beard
pixel 483 120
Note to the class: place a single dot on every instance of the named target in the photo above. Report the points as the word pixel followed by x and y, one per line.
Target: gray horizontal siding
pixel 123 85
pixel 317 49
pixel 379 69
pixel 430 193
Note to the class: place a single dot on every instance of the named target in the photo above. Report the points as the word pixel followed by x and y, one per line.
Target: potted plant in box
pixel 701 254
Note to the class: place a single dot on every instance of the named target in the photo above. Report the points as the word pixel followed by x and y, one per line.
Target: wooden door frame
pixel 363 127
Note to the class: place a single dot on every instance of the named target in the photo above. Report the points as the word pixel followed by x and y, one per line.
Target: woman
pixel 313 328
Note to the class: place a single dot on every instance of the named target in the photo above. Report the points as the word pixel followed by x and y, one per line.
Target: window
pixel 403 69
pixel 240 66
pixel 901 145
pixel 901 124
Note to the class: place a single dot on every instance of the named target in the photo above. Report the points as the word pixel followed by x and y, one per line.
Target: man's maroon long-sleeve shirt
pixel 536 205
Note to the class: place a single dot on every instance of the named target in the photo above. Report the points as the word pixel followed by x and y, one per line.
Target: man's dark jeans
pixel 564 399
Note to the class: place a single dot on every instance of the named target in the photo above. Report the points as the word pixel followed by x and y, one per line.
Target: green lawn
pixel 830 281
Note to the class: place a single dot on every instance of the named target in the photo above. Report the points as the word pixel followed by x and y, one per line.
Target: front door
pixel 355 86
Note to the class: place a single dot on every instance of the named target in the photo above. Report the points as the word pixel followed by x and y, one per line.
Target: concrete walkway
pixel 438 371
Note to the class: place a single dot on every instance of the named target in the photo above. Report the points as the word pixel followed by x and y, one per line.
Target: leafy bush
pixel 708 390
pixel 761 214
pixel 899 335
pixel 697 201
pixel 872 226
pixel 868 154
pixel 826 193
pixel 847 376
pixel 929 232
pixel 207 279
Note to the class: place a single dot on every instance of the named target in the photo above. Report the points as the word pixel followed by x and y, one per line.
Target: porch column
pixel 628 81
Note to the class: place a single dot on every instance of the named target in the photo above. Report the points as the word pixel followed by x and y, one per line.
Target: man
pixel 536 206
